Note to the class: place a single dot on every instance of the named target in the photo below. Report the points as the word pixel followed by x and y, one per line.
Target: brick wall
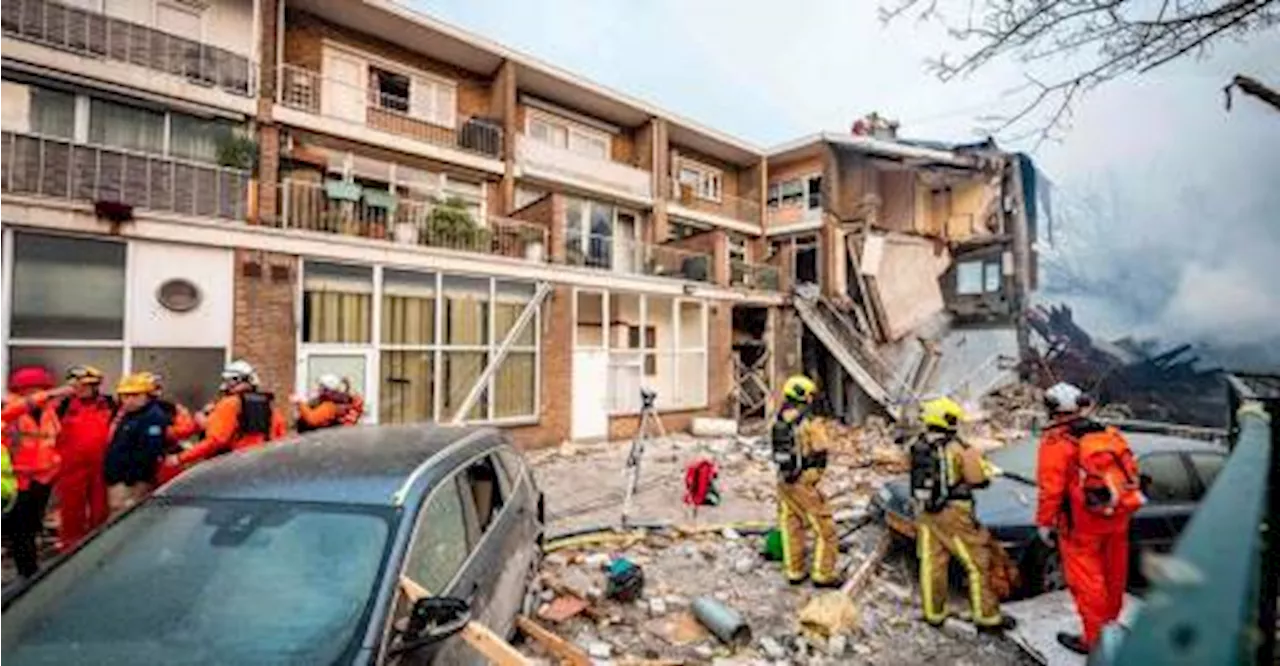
pixel 715 244
pixel 268 174
pixel 800 168
pixel 557 371
pixel 624 147
pixel 720 358
pixel 731 186
pixel 264 335
pixel 786 347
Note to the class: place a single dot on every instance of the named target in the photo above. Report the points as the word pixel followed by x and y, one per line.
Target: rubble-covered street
pixel 718 555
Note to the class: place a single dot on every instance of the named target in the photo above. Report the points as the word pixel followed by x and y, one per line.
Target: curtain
pixel 195 138
pixel 504 319
pixel 127 127
pixel 466 320
pixel 461 370
pixel 408 320
pixel 514 386
pixel 407 387
pixel 334 316
pixel 53 113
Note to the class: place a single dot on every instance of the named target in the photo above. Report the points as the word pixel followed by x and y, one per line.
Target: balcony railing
pixel 61 169
pixel 409 221
pixel 563 162
pixel 753 276
pixel 310 91
pixel 793 214
pixel 730 206
pixel 96 34
pixel 635 258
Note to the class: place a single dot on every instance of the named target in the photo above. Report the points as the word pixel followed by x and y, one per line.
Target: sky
pixel 1168 204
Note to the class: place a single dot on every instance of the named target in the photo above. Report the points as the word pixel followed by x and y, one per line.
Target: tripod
pixel 650 430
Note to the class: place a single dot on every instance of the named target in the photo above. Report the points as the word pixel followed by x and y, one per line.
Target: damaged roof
pixel 929 152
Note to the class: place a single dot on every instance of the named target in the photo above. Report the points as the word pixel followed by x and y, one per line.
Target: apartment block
pixel 463 231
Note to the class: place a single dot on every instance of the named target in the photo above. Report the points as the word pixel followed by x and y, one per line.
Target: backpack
pixel 255 413
pixel 1108 476
pixel 786 453
pixel 929 473
pixel 700 483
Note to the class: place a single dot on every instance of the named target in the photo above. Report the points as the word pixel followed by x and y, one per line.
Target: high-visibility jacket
pixel 8 482
pixel 327 413
pixel 1061 503
pixel 238 421
pixel 31 436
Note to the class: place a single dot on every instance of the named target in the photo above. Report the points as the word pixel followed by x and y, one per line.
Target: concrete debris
pixel 837 644
pixel 772 648
pixel 827 615
pixel 599 650
pixel 657 607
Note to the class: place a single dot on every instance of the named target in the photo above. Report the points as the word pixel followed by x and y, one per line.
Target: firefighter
pixel 944 473
pixel 1094 547
pixel 85 421
pixel 30 438
pixel 182 423
pixel 800 451
pixel 137 443
pixel 243 418
pixel 334 405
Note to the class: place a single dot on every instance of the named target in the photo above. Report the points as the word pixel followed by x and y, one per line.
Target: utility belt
pixel 960 495
pixel 791 472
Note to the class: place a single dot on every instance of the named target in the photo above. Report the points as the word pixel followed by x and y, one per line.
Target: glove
pixel 1047 537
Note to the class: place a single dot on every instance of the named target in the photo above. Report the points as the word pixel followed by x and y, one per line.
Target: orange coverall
pixel 1094 548
pixel 328 413
pixel 81 488
pixel 222 432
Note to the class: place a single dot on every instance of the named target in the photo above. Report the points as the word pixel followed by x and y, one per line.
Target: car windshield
pixel 1017 459
pixel 207 582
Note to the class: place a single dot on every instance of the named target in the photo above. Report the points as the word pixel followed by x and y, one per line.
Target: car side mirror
pixel 431 620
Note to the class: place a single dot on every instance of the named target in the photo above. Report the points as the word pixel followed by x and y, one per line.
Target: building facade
pixel 463 231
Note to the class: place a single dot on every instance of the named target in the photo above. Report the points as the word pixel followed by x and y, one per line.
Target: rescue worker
pixel 800 451
pixel 137 443
pixel 1094 548
pixel 182 423
pixel 30 438
pixel 243 418
pixel 8 482
pixel 85 421
pixel 334 405
pixel 945 520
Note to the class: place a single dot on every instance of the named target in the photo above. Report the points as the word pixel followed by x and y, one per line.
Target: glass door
pixel 354 366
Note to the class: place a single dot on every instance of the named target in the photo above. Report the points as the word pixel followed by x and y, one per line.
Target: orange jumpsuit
pixel 1094 548
pixel 81 488
pixel 329 413
pixel 223 432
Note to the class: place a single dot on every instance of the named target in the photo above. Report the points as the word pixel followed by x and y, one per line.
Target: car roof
pixel 360 465
pixel 1144 443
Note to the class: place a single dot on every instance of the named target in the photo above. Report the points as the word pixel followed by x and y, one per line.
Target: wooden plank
pixel 568 652
pixel 860 578
pixel 478 636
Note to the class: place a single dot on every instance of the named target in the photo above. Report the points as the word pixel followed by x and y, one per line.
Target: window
pixel 186 372
pixel 654 342
pixel 772 195
pixel 128 127
pixel 337 303
pixel 806 192
pixel 563 133
pixel 992 277
pixel 792 192
pixel 197 138
pixel 978 276
pixel 815 192
pixel 546 132
pixel 1208 466
pixel 1165 478
pixel 481 482
pixel 50 300
pixel 703 180
pixel 513 463
pixel 440 544
pixel 389 90
pixel 53 113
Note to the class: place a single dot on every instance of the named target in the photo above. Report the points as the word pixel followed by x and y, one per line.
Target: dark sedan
pixel 305 552
pixel 1176 472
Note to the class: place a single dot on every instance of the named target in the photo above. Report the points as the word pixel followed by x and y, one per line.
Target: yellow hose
pixel 609 535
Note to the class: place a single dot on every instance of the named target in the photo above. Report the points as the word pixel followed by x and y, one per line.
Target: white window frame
pixel 570 129
pixel 805 191
pixel 437 347
pixel 449 119
pixel 708 183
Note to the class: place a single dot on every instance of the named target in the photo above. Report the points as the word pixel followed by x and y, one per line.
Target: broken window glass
pixel 969 278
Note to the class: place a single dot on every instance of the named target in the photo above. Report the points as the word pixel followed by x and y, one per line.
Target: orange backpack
pixel 1109 474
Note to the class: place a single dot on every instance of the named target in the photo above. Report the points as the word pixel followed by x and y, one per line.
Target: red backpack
pixel 700 483
pixel 1109 477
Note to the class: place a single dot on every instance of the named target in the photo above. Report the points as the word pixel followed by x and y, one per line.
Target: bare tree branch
pixel 1251 86
pixel 1094 41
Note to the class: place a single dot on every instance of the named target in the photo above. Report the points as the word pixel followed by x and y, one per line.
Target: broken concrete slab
pixel 1041 618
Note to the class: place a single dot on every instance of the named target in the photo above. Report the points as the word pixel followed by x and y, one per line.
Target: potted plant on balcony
pixel 239 151
pixel 450 225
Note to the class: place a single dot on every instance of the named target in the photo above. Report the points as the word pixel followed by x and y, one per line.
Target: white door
pixel 590 401
pixel 354 366
pixel 345 87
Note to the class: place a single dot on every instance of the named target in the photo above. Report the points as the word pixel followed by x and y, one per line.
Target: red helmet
pixel 30 378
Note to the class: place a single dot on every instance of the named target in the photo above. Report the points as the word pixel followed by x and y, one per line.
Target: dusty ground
pixel 584 486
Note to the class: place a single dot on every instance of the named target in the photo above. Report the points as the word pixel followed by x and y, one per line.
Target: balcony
pixel 407 221
pixel 548 161
pixel 61 169
pixel 741 209
pixel 794 216
pixel 313 93
pixel 753 276
pixel 636 258
pixel 99 36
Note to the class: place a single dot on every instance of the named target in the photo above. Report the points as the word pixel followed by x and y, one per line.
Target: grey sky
pixel 1184 197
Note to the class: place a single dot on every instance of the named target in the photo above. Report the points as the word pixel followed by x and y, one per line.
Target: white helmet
pixel 238 372
pixel 1065 398
pixel 331 382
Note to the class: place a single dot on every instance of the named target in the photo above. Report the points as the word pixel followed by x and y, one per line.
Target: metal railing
pixel 731 206
pixel 96 34
pixel 306 205
pixel 62 169
pixel 310 91
pixel 635 258
pixel 753 276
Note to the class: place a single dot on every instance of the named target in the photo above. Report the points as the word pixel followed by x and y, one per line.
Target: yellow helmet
pixel 137 383
pixel 84 374
pixel 799 388
pixel 942 413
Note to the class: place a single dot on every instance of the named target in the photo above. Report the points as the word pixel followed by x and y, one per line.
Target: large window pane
pixel 466 315
pixel 515 386
pixel 407 387
pixel 53 113
pixel 658 317
pixel 461 370
pixel 128 127
pixel 511 300
pixel 57 359
pixel 67 288
pixel 408 308
pixel 190 375
pixel 197 138
pixel 693 330
pixel 337 303
pixel 350 367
